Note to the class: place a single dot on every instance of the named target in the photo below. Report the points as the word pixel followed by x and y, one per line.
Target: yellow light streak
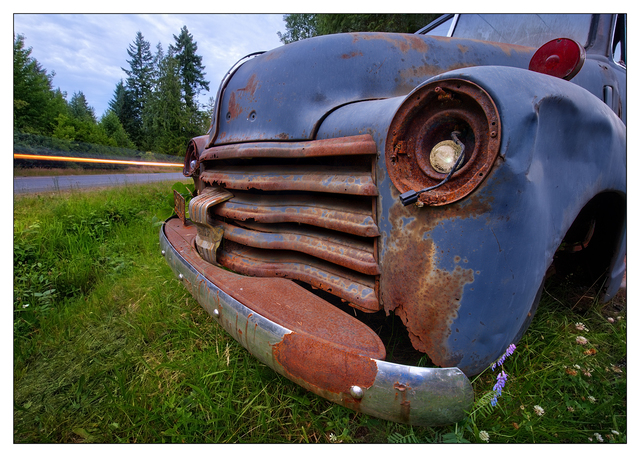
pixel 82 159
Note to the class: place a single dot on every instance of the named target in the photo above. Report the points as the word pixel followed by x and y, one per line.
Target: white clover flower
pixel 611 320
pixel 598 437
pixel 580 326
pixel 577 367
pixel 581 340
pixel 538 410
pixel 591 399
pixel 484 436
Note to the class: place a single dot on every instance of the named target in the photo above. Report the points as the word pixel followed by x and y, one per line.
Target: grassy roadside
pixel 110 348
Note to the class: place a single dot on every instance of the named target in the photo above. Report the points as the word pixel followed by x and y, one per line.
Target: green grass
pixel 110 348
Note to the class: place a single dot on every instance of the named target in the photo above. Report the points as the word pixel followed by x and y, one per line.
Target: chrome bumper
pixel 340 373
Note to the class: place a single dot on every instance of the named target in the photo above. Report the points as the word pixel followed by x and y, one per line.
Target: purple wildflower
pixel 502 377
pixel 501 381
pixel 507 353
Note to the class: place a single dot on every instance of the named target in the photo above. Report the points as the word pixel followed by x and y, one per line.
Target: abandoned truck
pixel 436 176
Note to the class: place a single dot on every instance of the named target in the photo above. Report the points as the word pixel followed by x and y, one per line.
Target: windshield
pixel 522 29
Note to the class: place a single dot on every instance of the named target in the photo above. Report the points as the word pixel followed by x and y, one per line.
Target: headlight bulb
pixel 444 156
pixel 411 196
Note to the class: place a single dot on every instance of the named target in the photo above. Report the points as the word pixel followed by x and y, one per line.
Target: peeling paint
pixel 413 286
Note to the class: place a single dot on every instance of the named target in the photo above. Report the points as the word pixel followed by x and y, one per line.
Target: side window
pixel 619 44
pixel 441 29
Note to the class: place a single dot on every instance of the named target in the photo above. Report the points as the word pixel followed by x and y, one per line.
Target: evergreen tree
pixel 190 67
pixel 80 109
pixel 117 103
pixel 122 106
pixel 35 103
pixel 165 113
pixel 110 123
pixel 157 61
pixel 138 84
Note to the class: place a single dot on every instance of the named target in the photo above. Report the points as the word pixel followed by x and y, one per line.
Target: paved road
pixel 53 183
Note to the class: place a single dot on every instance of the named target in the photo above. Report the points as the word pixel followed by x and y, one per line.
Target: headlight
pixel 191 157
pixel 444 156
pixel 420 152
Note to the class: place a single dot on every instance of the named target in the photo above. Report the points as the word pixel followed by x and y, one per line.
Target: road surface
pixel 37 184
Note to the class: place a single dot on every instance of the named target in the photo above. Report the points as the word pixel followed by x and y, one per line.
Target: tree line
pixel 306 25
pixel 155 108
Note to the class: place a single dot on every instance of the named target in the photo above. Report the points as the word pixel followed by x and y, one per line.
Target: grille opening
pixel 305 211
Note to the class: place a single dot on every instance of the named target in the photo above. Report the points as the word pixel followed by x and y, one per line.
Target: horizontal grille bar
pixel 348 216
pixel 355 145
pixel 347 252
pixel 358 290
pixel 336 180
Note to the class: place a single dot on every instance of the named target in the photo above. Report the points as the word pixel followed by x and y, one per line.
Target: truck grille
pixel 303 211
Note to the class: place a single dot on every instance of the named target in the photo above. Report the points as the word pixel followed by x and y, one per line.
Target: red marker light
pixel 562 58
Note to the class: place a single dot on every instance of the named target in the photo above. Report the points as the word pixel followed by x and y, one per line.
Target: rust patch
pixel 179 204
pixel 250 89
pixel 318 363
pixel 405 405
pixel 246 94
pixel 234 109
pixel 508 49
pixel 409 76
pixel 426 298
pixel 352 54
pixel 404 42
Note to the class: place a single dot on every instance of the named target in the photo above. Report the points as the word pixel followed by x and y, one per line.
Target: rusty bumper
pixel 312 343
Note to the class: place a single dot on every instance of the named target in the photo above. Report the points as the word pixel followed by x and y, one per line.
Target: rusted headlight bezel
pixel 192 156
pixel 428 116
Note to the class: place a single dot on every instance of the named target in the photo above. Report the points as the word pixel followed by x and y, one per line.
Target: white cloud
pixel 87 51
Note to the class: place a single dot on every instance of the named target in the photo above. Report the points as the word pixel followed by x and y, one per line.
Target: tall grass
pixel 110 348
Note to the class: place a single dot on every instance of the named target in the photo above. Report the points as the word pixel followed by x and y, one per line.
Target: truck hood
pixel 285 93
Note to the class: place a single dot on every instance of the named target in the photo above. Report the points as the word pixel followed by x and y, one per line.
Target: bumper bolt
pixel 356 392
pixel 163 253
pixel 180 277
pixel 216 313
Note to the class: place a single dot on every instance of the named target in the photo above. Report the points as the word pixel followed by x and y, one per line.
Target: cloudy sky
pixel 88 51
